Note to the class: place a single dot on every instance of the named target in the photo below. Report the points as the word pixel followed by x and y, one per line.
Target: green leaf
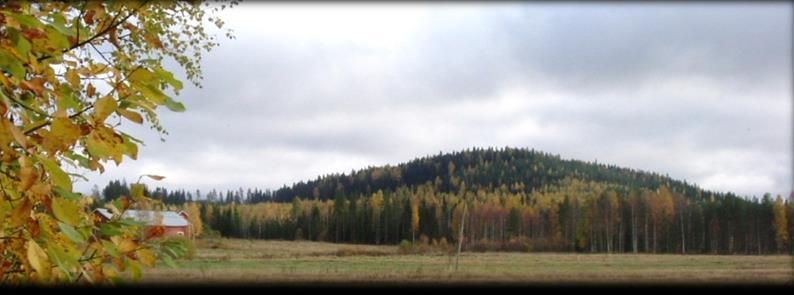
pixel 131 222
pixel 135 267
pixel 169 78
pixel 136 190
pixel 131 148
pixel 110 229
pixel 71 233
pixel 68 100
pixel 67 194
pixel 21 44
pixel 66 210
pixel 153 93
pixel 111 248
pixel 56 40
pixel 12 65
pixel 60 178
pixel 81 160
pixel 58 24
pixel 168 261
pixel 25 20
pixel 65 261
pixel 174 105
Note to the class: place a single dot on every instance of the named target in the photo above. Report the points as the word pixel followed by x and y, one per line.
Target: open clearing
pixel 245 261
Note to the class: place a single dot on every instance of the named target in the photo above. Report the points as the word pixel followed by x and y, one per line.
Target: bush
pixel 405 247
pixel 516 244
pixel 191 250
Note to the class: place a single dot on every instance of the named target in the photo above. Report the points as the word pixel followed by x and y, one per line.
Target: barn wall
pixel 175 230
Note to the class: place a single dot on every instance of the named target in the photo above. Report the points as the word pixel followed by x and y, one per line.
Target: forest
pixel 508 199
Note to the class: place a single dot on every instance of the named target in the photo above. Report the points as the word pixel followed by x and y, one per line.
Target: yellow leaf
pixel 40 189
pixel 27 175
pixel 103 108
pixel 136 191
pixel 155 177
pixel 16 133
pixel 21 212
pixel 90 90
pixel 60 178
pixel 126 245
pixel 147 257
pixel 119 263
pixel 66 210
pixel 38 259
pixel 63 134
pixel 109 272
pixel 130 115
pixel 34 85
pixel 73 78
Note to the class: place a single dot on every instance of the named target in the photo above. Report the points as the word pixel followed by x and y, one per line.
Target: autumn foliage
pixel 71 73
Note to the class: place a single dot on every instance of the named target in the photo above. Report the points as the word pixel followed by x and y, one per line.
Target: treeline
pixel 578 217
pixel 511 197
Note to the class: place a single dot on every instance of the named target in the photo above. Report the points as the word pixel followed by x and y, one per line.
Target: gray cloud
pixel 699 91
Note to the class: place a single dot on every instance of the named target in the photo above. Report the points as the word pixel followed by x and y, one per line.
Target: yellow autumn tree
pixel 194 217
pixel 414 218
pixel 71 73
pixel 376 202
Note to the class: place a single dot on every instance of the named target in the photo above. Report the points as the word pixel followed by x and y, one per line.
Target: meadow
pixel 218 261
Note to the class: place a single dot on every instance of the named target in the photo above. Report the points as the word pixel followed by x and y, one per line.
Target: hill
pixel 511 169
pixel 508 199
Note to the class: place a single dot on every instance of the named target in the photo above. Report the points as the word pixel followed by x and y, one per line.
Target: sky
pixel 700 92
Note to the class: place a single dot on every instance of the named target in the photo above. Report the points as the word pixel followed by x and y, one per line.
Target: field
pixel 244 261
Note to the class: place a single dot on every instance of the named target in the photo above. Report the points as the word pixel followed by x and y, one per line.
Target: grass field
pixel 244 261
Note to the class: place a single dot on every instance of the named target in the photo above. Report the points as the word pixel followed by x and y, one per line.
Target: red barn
pixel 173 223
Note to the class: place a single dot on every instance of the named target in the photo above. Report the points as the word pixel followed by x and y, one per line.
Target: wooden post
pixel 460 236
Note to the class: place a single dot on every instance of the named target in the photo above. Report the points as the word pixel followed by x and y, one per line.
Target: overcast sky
pixel 701 92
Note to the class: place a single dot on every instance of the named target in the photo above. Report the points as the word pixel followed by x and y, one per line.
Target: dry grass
pixel 225 260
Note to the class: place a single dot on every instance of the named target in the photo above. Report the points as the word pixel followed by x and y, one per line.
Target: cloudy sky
pixel 701 92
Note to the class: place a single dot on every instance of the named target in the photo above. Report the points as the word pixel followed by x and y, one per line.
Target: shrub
pixel 191 250
pixel 405 247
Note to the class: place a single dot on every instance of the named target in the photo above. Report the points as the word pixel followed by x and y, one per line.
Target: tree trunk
pixel 633 230
pixel 654 237
pixel 683 237
pixel 608 237
pixel 573 225
pixel 646 234
pixel 620 236
pixel 758 236
pixel 460 237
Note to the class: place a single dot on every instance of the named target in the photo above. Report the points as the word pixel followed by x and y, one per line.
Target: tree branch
pixel 91 106
pixel 113 24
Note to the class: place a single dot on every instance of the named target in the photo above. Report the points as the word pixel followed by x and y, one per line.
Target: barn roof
pixel 165 218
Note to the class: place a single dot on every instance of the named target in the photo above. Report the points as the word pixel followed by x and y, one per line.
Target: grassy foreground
pixel 244 261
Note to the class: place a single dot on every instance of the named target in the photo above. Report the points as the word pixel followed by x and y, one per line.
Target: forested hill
pixel 510 199
pixel 508 169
